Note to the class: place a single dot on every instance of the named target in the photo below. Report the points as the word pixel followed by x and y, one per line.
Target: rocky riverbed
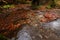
pixel 27 24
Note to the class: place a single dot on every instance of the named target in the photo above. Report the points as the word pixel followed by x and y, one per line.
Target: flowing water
pixel 46 31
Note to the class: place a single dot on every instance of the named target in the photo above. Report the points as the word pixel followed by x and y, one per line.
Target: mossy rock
pixel 57 2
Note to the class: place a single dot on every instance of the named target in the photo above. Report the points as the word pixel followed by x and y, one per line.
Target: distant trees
pixel 13 1
pixel 35 3
pixel 43 2
pixel 7 2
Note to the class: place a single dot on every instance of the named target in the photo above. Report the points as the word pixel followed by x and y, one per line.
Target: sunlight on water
pixel 55 24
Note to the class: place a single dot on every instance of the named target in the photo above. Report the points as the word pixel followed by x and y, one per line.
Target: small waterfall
pixel 23 34
pixel 54 25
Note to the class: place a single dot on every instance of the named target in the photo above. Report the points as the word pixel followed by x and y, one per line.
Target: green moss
pixel 8 6
pixel 3 37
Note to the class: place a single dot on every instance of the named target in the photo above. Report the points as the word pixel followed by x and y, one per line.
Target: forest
pixel 29 19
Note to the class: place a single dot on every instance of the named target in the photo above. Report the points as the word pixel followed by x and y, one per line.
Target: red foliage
pixel 43 19
pixel 51 16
